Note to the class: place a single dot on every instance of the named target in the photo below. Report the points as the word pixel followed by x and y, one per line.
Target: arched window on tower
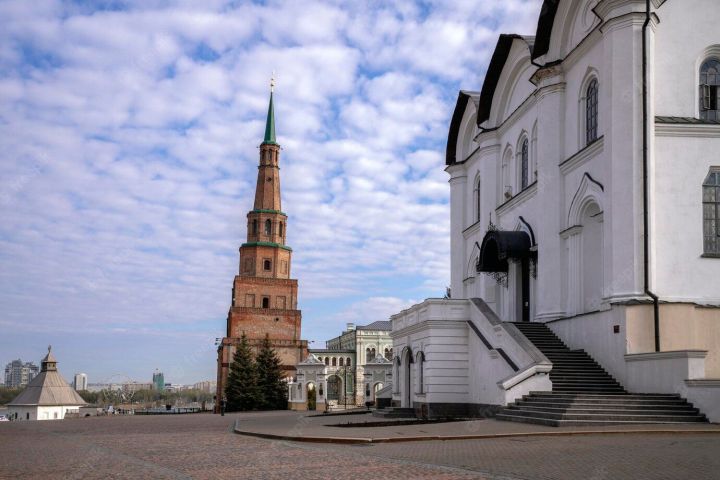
pixel 268 227
pixel 266 302
pixel 710 89
pixel 591 112
pixel 254 227
pixel 524 164
pixel 280 229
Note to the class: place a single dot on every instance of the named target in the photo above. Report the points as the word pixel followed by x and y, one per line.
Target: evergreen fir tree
pixel 241 390
pixel 273 390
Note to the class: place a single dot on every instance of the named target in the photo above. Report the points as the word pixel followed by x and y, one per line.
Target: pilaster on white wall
pixel 458 191
pixel 621 96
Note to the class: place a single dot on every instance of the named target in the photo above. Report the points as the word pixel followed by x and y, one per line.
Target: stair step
pixel 581 395
pixel 605 405
pixel 607 409
pixel 574 423
pixel 611 416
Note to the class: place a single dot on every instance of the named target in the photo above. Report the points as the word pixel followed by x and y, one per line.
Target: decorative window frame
pixel 477 198
pixel 713 51
pixel 590 75
pixel 715 205
pixel 505 184
pixel 522 155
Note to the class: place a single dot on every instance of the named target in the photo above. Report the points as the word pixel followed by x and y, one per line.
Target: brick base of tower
pixel 290 352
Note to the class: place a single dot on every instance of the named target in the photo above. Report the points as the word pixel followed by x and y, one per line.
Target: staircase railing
pixel 530 368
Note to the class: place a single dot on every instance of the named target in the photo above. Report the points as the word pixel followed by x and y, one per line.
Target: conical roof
pixel 270 123
pixel 48 388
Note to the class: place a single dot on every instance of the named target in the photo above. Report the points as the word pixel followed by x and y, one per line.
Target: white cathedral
pixel 585 226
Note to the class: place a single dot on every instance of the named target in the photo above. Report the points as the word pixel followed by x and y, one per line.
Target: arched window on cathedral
pixel 369 354
pixel 334 362
pixel 524 164
pixel 254 227
pixel 347 362
pixel 710 89
pixel 388 354
pixel 591 112
pixel 268 227
pixel 327 361
pixel 476 194
pixel 342 361
pixel 711 213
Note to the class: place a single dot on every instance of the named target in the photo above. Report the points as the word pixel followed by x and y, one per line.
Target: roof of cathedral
pixel 544 28
pixel 270 123
pixel 492 77
pixel 48 388
pixel 463 98
pixel 379 325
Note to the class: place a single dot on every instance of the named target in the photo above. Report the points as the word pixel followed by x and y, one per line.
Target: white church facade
pixel 585 198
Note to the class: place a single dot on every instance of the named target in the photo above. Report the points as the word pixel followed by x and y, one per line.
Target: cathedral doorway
pixel 522 289
pixel 499 251
pixel 311 396
pixel 334 384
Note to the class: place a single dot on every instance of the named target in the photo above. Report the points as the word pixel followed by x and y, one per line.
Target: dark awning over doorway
pixel 499 246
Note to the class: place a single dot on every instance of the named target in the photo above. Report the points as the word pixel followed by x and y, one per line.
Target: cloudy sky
pixel 128 154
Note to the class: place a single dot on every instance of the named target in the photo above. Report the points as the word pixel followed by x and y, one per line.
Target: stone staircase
pixel 394 412
pixel 585 394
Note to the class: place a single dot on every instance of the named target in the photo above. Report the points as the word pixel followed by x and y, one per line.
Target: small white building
pixel 585 196
pixel 47 397
pixel 337 374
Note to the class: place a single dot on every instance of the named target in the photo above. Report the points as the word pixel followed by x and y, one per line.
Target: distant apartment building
pixel 158 381
pixel 208 386
pixel 132 387
pixel 80 382
pixel 19 374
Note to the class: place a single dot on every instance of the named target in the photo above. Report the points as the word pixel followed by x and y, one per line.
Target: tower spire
pixel 270 122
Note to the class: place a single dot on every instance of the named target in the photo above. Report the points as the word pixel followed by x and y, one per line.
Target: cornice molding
pixel 581 157
pixel 687 130
pixel 518 199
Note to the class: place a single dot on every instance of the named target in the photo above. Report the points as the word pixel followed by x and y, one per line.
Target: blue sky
pixel 129 134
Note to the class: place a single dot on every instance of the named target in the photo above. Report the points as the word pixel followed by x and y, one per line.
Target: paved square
pixel 203 447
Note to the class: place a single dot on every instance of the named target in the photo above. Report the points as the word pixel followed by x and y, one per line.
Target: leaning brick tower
pixel 264 297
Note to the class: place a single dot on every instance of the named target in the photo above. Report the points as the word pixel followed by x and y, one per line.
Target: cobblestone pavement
pixel 202 446
pixel 182 447
pixel 593 457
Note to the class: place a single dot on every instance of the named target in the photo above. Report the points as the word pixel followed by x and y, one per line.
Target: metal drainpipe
pixel 646 242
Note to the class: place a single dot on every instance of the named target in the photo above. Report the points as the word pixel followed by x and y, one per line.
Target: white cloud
pixel 129 157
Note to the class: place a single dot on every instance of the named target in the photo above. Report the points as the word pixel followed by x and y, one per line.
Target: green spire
pixel 270 123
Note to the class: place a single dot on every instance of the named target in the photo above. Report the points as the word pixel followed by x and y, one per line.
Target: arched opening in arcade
pixel 334 387
pixel 311 396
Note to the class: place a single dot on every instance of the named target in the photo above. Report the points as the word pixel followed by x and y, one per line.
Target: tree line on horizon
pixel 255 383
